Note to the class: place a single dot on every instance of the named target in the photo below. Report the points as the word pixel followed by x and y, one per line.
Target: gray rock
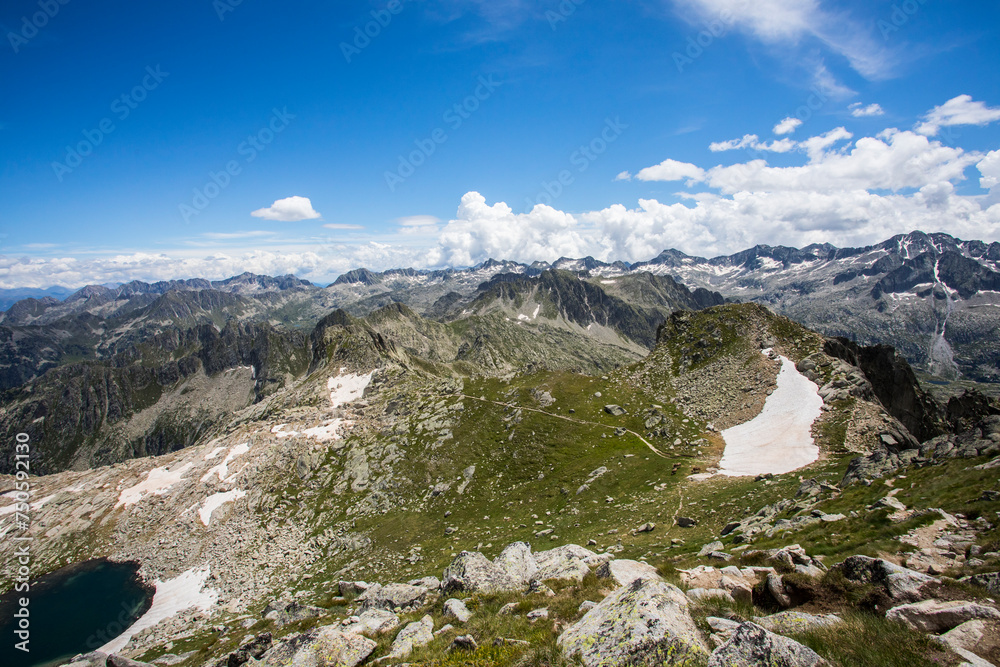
pixel 623 572
pixel 376 621
pixel 455 608
pixel 565 562
pixel 392 596
pixel 284 612
pixel 899 582
pixel 252 649
pixel 709 548
pixel 970 637
pixel 639 622
pixel 776 588
pixel 464 643
pixel 935 616
pixel 988 580
pixel 352 588
pixel 327 645
pixel 471 572
pixel 418 633
pixel 791 622
pixel 753 646
pixel 537 614
pixel 646 528
pixel 686 522
pixel 614 410
pixel 518 562
pixel 586 606
pixel 433 583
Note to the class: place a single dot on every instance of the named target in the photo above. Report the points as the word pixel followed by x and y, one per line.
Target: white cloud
pixel 290 209
pixel 753 142
pixel 624 176
pixel 787 126
pixel 671 170
pixel 341 226
pixel 419 225
pixel 788 22
pixel 860 111
pixel 989 167
pixel 229 236
pixel 961 110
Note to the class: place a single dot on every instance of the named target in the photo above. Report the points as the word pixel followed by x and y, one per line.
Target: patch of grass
pixel 867 640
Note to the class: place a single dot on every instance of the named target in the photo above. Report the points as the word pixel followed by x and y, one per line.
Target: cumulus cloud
pixel 672 170
pixel 787 126
pixel 290 209
pixel 989 167
pixel 623 176
pixel 860 111
pixel 961 110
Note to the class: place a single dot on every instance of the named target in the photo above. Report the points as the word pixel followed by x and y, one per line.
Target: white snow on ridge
pixel 157 482
pixel 329 430
pixel 348 387
pixel 172 596
pixel 779 439
pixel 216 501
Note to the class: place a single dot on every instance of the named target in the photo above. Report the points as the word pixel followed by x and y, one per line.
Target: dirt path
pixel 569 419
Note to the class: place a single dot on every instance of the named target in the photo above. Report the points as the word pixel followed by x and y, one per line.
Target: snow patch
pixel 347 388
pixel 215 452
pixel 222 470
pixel 779 439
pixel 157 482
pixel 216 501
pixel 330 430
pixel 173 596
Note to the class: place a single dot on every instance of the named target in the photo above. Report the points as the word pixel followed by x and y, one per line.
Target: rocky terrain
pixel 417 474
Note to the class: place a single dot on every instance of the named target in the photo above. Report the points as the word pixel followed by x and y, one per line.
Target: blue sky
pixel 430 142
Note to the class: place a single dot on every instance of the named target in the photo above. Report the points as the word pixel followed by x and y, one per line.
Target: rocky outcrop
pixel 894 384
pixel 518 561
pixel 472 572
pixel 394 596
pixel 644 622
pixel 418 633
pixel 327 645
pixel 898 582
pixel 623 572
pixel 752 645
pixel 565 562
pixel 935 616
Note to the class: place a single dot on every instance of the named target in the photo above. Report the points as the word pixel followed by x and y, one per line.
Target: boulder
pixel 537 614
pixel 686 522
pixel 432 583
pixel 325 646
pixel 623 572
pixel 791 622
pixel 252 649
pixel 565 562
pixel 988 580
pixel 376 621
pixel 471 572
pixel 978 637
pixel 284 612
pixel 643 621
pixel 418 633
pixel 518 562
pixel 393 596
pixel 709 548
pixel 455 608
pixel 899 582
pixel 614 410
pixel 752 645
pixel 775 589
pixel 935 616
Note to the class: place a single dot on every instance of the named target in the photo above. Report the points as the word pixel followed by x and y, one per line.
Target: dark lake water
pixel 73 610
